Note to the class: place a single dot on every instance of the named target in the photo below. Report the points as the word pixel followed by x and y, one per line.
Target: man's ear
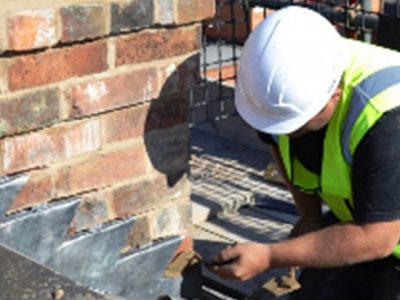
pixel 337 94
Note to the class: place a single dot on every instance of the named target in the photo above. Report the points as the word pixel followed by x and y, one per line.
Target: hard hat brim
pixel 273 124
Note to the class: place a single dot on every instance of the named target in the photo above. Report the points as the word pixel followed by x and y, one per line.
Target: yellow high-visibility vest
pixel 371 87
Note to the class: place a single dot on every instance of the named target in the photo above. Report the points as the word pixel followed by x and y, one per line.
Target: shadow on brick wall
pixel 166 129
pixel 167 141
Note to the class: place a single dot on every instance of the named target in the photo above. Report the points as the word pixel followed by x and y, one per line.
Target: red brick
pixel 3 41
pixel 194 10
pixel 166 13
pixel 81 22
pixel 32 29
pixel 168 150
pixel 153 45
pixel 31 111
pixel 136 198
pixel 136 121
pixel 180 76
pixel 37 190
pixel 125 124
pixel 57 65
pixel 92 211
pixel 131 14
pixel 3 74
pixel 167 112
pixel 110 93
pixel 140 234
pixel 101 170
pixel 42 148
pixel 144 195
pixel 171 220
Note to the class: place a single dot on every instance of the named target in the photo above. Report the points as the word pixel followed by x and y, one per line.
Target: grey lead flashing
pixel 92 258
pixel 140 274
pixel 88 257
pixel 38 234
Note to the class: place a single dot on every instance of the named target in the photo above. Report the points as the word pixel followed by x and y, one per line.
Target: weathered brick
pixel 140 234
pixel 38 189
pixel 3 36
pixel 144 195
pixel 3 75
pixel 132 122
pixel 180 76
pixel 131 14
pixel 42 148
pixel 32 29
pixel 57 65
pixel 110 93
pixel 101 170
pixel 159 44
pixel 168 150
pixel 28 112
pixel 171 220
pixel 167 112
pixel 135 198
pixel 81 22
pixel 194 10
pixel 92 211
pixel 125 124
pixel 165 12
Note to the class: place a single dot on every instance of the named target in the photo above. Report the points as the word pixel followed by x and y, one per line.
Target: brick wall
pixel 93 103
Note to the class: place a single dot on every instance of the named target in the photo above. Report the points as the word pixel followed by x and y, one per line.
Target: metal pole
pixel 366 8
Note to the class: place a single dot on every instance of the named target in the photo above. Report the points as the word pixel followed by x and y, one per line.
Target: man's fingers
pixel 227 271
pixel 229 253
pixel 226 256
pixel 239 261
pixel 231 271
pixel 227 265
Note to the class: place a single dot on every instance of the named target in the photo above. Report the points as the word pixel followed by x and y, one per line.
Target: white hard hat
pixel 288 70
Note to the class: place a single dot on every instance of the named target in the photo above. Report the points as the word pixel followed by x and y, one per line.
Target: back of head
pixel 289 68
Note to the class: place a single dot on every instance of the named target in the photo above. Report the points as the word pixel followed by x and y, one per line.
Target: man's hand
pixel 241 261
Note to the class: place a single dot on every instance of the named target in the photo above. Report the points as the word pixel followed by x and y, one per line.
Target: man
pixel 328 107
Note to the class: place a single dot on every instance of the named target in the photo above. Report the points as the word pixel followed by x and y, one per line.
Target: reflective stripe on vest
pixel 362 94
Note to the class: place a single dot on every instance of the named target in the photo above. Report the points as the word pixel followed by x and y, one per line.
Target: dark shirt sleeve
pixel 266 138
pixel 376 172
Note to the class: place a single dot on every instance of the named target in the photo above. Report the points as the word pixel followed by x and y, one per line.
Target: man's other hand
pixel 241 261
